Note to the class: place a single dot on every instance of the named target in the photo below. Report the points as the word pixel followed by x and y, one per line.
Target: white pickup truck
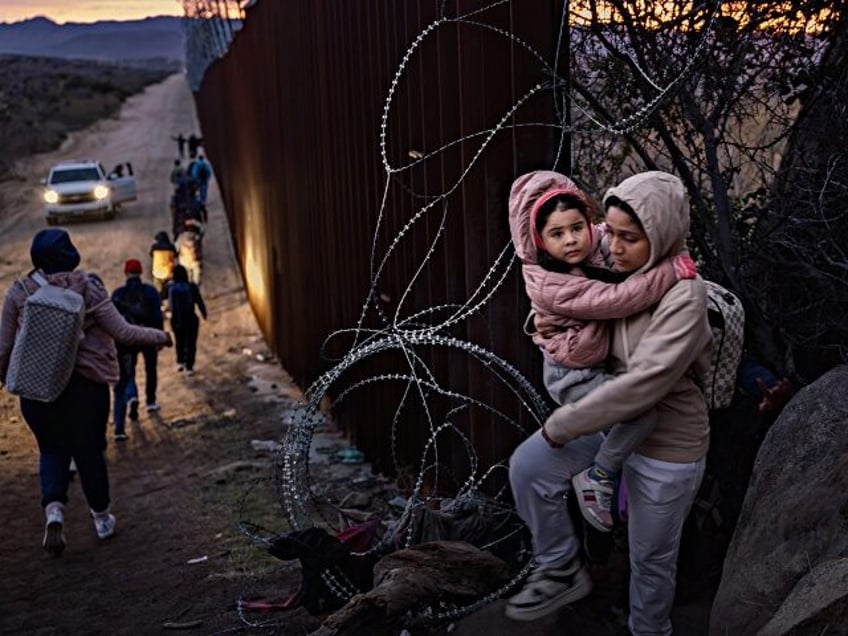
pixel 83 189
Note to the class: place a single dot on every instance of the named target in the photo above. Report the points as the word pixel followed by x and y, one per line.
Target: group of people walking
pixel 72 429
pixel 73 426
pixel 188 212
pixel 142 304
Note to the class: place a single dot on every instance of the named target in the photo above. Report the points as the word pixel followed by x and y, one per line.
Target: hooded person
pixel 52 251
pixel 656 357
pixel 574 295
pixel 74 425
pixel 163 257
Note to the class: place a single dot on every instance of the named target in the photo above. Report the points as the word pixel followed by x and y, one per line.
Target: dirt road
pixel 178 560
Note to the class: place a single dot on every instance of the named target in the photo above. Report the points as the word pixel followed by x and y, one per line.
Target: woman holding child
pixel 655 356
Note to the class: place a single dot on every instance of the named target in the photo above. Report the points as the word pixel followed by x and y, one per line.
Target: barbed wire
pixel 209 27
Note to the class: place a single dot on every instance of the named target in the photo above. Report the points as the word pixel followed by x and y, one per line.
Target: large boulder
pixel 795 514
pixel 817 605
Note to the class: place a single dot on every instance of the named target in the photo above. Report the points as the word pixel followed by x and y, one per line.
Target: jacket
pixel 96 357
pixel 652 352
pixel 572 311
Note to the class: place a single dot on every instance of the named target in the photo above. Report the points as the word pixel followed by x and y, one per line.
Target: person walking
pixel 183 297
pixel 201 172
pixel 657 356
pixel 139 304
pixel 181 142
pixel 73 426
pixel 163 258
pixel 194 142
pixel 178 173
pixel 189 246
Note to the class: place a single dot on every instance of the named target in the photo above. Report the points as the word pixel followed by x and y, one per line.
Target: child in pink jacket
pixel 574 295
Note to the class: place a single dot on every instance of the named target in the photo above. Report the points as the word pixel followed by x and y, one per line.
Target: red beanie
pixel 132 266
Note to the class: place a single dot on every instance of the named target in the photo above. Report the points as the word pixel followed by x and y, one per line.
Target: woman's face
pixel 567 237
pixel 629 245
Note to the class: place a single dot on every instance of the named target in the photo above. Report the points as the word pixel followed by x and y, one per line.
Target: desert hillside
pixel 43 99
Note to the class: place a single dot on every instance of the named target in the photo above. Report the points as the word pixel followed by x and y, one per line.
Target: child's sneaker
pixel 152 407
pixel 548 590
pixel 54 535
pixel 104 523
pixel 594 495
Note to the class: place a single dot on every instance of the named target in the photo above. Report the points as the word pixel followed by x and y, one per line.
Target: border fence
pixel 364 152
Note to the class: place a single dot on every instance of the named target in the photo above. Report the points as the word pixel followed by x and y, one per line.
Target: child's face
pixel 629 246
pixel 567 236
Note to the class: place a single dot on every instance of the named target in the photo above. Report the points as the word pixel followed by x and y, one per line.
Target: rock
pixel 818 601
pixel 795 512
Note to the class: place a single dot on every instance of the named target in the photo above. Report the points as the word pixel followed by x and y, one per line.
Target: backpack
pixel 45 350
pixel 132 306
pixel 726 316
pixel 181 303
pixel 163 263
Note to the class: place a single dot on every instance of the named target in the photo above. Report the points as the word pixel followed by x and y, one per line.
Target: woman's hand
pixel 776 397
pixel 556 422
pixel 551 442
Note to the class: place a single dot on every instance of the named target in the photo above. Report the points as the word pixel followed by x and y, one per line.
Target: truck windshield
pixel 75 174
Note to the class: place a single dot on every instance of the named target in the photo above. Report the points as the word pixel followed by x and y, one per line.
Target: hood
pixel 662 205
pixel 528 193
pixel 52 251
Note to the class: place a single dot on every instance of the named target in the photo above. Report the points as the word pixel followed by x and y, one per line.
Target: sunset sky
pixel 87 10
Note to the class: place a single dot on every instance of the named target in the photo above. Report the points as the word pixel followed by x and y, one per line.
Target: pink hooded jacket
pixel 572 311
pixel 97 359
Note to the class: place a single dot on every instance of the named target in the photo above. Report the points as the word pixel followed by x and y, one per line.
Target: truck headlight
pixel 101 192
pixel 51 196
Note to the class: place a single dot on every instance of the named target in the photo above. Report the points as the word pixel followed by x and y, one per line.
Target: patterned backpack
pixel 726 316
pixel 45 350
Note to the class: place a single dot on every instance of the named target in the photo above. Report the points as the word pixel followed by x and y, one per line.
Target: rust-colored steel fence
pixel 293 121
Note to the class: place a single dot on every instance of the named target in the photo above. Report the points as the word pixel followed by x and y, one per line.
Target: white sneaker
pixel 104 523
pixel 152 407
pixel 54 535
pixel 546 591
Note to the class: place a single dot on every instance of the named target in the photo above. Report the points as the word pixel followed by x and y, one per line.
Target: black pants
pixel 185 342
pixel 73 426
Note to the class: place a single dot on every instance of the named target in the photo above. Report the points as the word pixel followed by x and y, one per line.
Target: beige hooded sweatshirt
pixel 653 350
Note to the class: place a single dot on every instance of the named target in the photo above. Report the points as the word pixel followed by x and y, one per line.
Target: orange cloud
pixel 87 10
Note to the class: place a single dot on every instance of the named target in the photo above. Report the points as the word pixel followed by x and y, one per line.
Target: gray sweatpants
pixel 568 385
pixel 660 495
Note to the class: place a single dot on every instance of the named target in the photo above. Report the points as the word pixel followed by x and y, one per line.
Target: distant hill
pixel 112 41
